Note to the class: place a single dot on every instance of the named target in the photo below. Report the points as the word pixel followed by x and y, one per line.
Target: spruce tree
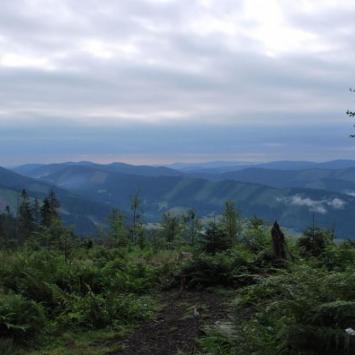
pixel 192 226
pixel 118 233
pixel 36 209
pixel 215 239
pixel 231 221
pixel 136 228
pixel 171 227
pixel 58 237
pixel 3 238
pixel 8 226
pixel 25 220
pixel 49 209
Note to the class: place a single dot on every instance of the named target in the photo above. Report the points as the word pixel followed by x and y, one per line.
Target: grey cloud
pixel 317 206
pixel 171 62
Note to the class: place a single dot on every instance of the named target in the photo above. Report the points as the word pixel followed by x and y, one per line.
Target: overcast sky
pixel 156 81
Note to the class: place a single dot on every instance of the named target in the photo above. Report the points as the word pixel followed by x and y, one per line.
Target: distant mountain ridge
pixel 341 180
pixel 293 206
pixel 40 170
pixel 223 167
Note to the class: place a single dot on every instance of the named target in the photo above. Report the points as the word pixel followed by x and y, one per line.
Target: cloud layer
pixel 317 206
pixel 91 63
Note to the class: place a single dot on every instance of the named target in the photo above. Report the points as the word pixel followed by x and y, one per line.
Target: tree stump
pixel 278 242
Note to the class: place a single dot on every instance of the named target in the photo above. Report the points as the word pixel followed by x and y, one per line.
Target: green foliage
pixel 215 239
pixel 121 275
pixel 20 319
pixel 25 219
pixel 296 312
pixel 118 234
pixel 314 241
pixel 93 311
pixel 56 237
pixel 231 221
pixel 49 209
pixel 3 233
pixel 96 288
pixel 256 236
pixel 192 226
pixel 171 228
pixel 55 283
pixel 136 227
pixel 338 257
pixel 232 269
pixel 219 340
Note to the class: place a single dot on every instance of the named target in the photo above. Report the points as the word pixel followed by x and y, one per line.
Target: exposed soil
pixel 176 326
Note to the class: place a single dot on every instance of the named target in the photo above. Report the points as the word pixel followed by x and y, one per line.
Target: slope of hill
pixel 293 207
pixel 224 167
pixel 41 170
pixel 15 181
pixel 342 180
pixel 76 210
pixel 302 165
pixel 210 167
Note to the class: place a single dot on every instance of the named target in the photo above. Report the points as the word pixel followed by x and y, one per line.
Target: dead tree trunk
pixel 278 242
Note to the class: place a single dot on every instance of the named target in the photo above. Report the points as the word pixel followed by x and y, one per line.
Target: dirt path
pixel 176 326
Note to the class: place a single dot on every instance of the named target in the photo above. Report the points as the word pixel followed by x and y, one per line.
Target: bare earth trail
pixel 176 326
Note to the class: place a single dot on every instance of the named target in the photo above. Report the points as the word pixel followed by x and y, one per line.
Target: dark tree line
pixel 31 216
pixel 39 222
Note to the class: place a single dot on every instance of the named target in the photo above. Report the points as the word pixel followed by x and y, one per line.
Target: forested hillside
pixel 83 214
pixel 338 180
pixel 294 197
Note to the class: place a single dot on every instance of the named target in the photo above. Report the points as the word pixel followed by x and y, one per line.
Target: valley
pixel 295 195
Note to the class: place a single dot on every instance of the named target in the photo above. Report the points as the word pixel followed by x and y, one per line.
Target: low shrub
pixel 129 277
pixel 95 311
pixel 231 269
pixel 297 312
pixel 20 319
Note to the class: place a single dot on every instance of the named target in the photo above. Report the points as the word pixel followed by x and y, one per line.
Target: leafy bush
pixel 219 340
pixel 231 269
pixel 98 288
pixel 338 257
pixel 297 312
pixel 95 311
pixel 32 278
pixel 20 319
pixel 314 241
pixel 129 277
pixel 256 237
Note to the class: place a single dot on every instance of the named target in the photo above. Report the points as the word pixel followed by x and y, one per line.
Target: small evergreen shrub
pixel 314 241
pixel 215 239
pixel 232 269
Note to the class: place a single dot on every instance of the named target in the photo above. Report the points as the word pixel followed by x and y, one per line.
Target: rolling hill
pixel 212 168
pixel 341 180
pixel 75 210
pixel 294 207
pixel 41 170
